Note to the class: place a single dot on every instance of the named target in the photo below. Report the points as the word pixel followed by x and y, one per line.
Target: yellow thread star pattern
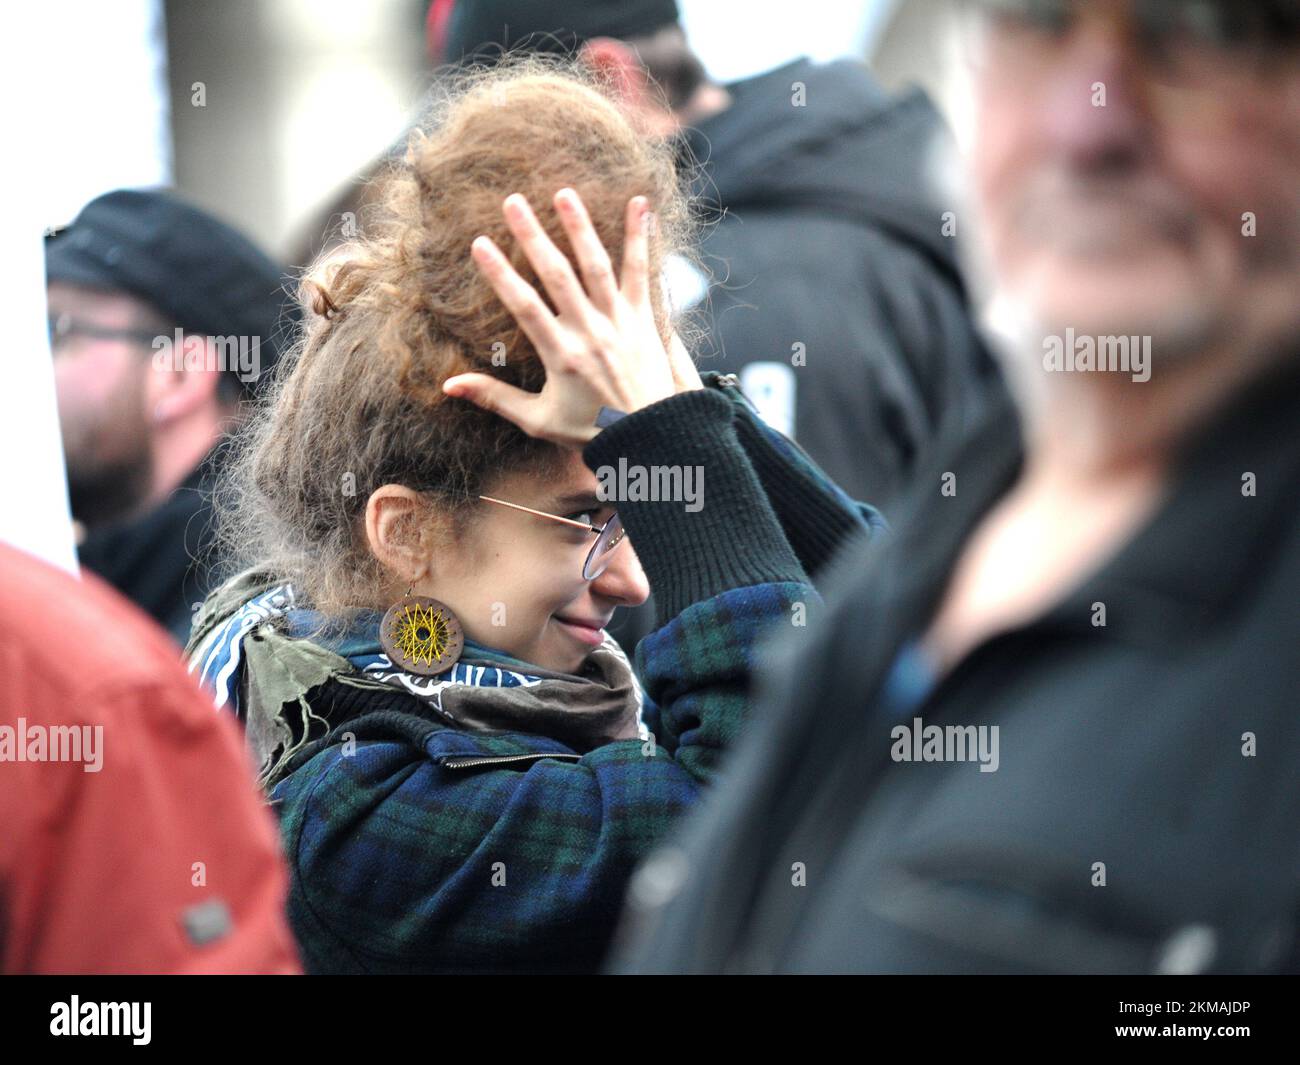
pixel 430 647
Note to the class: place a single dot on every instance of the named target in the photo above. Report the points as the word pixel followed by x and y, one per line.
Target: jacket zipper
pixel 499 759
pixel 732 381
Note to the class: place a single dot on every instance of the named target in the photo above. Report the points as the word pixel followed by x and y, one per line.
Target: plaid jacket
pixel 416 847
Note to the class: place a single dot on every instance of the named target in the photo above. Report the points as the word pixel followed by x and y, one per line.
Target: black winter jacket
pixel 1156 753
pixel 836 293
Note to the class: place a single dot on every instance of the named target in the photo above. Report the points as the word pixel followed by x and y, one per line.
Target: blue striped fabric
pixel 218 658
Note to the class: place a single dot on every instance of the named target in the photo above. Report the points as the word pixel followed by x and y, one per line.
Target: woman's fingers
pixel 636 251
pixel 593 259
pixel 496 397
pixel 603 349
pixel 520 299
pixel 553 267
pixel 529 410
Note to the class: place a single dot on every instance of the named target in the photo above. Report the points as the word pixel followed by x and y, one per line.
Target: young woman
pixel 426 471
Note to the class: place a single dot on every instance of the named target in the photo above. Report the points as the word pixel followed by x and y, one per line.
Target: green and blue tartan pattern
pixel 402 862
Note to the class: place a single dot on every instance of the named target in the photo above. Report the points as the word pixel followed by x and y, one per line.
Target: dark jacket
pixel 826 233
pixel 162 561
pixel 831 236
pixel 1158 750
pixel 393 822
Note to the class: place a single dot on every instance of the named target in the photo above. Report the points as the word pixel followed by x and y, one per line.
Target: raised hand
pixel 602 349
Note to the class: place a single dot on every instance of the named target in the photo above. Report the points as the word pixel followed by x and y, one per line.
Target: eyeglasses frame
pixel 595 530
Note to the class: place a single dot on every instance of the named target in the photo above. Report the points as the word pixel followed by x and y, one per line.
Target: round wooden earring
pixel 421 635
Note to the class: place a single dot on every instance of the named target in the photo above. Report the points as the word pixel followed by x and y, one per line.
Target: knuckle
pixel 531 312
pixel 554 272
pixel 513 292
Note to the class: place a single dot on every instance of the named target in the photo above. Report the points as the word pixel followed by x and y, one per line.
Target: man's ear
pixel 617 65
pixel 182 382
pixel 396 527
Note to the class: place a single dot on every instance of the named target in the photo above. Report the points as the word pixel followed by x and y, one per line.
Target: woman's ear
pixel 395 531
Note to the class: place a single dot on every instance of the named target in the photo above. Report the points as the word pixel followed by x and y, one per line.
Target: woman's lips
pixel 588 632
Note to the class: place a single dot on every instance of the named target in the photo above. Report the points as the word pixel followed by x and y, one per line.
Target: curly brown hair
pixel 357 402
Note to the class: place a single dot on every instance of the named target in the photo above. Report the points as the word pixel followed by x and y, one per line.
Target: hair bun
pixel 318 299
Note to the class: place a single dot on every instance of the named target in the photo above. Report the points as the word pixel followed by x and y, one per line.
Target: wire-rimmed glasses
pixel 608 536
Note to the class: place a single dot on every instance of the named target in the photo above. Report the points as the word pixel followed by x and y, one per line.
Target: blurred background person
pixel 134 839
pixel 162 320
pixel 1092 593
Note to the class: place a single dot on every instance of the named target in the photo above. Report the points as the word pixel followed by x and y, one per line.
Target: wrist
pixel 721 532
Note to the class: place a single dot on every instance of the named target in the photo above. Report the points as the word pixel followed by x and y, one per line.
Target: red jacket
pixel 146 848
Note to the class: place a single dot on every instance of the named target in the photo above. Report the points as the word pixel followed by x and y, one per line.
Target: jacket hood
pixel 850 150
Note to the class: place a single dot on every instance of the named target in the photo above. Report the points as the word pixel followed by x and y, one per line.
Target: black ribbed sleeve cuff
pixel 816 521
pixel 730 538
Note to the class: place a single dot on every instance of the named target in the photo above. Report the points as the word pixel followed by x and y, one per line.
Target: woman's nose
pixel 623 580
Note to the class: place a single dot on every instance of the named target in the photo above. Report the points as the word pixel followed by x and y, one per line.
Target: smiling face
pixel 515 579
pixel 1117 200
